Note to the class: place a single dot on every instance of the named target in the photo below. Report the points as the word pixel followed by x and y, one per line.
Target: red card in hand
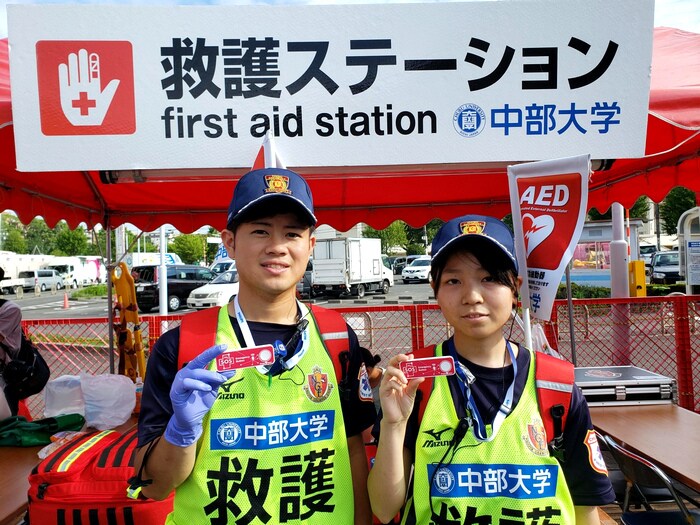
pixel 428 367
pixel 245 358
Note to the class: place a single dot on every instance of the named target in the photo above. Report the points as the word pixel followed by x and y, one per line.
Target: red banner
pixel 548 201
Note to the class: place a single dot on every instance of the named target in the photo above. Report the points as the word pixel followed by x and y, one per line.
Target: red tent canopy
pixel 346 196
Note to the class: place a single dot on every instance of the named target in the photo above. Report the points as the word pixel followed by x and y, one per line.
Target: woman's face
pixel 472 301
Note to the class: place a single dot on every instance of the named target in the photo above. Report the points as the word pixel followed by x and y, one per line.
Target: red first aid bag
pixel 85 482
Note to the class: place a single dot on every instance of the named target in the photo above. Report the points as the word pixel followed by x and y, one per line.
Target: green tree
pixel 144 244
pixel 415 249
pixel 14 241
pixel 148 245
pixel 639 210
pixel 392 236
pixel 678 201
pixel 508 221
pixel 70 242
pixel 98 244
pixel 417 236
pixel 12 234
pixel 414 237
pixel 40 238
pixel 190 247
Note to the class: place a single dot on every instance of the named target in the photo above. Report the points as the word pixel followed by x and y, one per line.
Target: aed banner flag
pixel 548 201
pixel 156 87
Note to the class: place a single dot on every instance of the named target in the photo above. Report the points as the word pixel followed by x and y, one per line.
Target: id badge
pixel 245 358
pixel 428 367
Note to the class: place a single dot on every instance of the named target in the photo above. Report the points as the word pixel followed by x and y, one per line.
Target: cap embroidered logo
pixel 471 227
pixel 277 184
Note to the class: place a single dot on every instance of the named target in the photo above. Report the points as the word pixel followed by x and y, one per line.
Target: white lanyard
pixel 477 422
pixel 249 341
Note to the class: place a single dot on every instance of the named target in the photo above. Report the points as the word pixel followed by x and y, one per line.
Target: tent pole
pixel 527 327
pixel 110 299
pixel 619 287
pixel 163 281
pixel 570 305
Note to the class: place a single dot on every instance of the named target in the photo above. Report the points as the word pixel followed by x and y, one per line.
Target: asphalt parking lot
pixel 419 293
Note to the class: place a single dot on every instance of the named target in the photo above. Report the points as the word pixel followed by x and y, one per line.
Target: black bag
pixel 26 374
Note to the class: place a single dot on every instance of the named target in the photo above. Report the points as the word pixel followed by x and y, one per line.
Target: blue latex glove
pixel 192 394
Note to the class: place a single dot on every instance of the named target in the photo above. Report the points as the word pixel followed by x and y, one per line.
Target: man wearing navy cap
pixel 274 443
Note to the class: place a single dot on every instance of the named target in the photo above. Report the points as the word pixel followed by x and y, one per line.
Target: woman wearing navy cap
pixel 476 439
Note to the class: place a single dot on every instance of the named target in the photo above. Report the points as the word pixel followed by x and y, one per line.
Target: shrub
pixel 597 292
pixel 95 290
pixel 583 292
pixel 655 290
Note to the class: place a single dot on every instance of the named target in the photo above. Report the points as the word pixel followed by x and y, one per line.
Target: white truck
pixel 8 285
pixel 79 270
pixel 13 263
pixel 350 265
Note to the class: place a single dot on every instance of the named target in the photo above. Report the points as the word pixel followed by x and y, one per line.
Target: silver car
pixel 218 292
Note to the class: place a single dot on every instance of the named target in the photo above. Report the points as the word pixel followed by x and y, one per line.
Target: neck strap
pixel 466 378
pixel 249 341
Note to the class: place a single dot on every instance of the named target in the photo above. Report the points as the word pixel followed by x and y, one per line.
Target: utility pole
pixel 657 226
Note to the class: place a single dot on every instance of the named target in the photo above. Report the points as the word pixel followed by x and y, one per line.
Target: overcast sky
pixel 682 14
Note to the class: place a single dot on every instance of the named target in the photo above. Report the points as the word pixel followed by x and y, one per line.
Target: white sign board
pixel 129 87
pixel 692 263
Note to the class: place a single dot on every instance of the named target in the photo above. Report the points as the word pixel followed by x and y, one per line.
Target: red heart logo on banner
pixel 536 230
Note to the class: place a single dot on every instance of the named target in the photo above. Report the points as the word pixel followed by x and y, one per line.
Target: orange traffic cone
pixel 65 301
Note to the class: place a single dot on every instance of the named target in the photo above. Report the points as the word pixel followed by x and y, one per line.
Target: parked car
pixel 646 251
pixel 45 279
pixel 305 284
pixel 401 262
pixel 398 265
pixel 223 265
pixel 418 271
pixel 182 279
pixel 218 292
pixel 665 267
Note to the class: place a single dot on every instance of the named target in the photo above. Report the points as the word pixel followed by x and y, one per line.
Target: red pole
pixel 417 332
pixel 686 392
pixel 551 329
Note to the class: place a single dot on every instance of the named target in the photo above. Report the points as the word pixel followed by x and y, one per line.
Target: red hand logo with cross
pixel 83 100
pixel 86 87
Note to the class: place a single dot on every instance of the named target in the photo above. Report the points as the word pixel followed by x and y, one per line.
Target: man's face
pixel 271 253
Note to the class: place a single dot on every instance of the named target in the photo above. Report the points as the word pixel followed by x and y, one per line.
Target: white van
pixel 44 279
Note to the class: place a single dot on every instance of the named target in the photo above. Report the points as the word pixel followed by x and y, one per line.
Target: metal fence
pixel 655 333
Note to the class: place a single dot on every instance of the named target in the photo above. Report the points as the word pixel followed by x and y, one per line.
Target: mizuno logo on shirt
pixel 436 435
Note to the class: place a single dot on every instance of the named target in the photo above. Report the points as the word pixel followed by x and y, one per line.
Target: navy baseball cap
pixel 267 185
pixel 468 227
